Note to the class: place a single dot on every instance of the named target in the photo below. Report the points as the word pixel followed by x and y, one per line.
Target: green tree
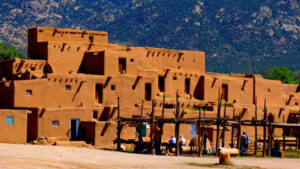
pixel 280 73
pixel 7 52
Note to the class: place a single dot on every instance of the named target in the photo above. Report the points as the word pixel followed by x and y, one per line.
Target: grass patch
pixel 227 105
pixel 217 165
pixel 294 111
pixel 291 153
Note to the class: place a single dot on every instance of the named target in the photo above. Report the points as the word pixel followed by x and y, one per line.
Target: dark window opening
pixel 28 92
pixel 99 93
pixel 174 78
pixel 225 92
pixel 169 106
pixel 161 83
pixel 68 88
pixel 131 60
pixel 113 87
pixel 148 91
pixel 55 123
pixel 91 39
pixel 95 114
pixel 122 65
pixel 187 83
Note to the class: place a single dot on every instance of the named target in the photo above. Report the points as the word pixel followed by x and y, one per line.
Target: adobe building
pixel 68 88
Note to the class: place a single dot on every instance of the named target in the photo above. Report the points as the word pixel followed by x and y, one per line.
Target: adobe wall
pixel 271 90
pixel 240 90
pixel 42 34
pixel 69 46
pixel 63 116
pixel 291 95
pixel 21 69
pixel 16 132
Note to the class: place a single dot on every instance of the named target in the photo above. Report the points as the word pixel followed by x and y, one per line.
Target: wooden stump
pixel 224 158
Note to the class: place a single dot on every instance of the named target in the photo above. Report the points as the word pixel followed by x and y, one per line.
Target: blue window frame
pixel 9 120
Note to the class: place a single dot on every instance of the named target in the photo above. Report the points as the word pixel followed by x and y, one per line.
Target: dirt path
pixel 44 157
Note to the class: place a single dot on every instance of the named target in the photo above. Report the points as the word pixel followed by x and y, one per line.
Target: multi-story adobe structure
pixel 68 88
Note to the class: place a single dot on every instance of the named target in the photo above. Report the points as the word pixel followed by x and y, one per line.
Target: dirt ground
pixel 45 157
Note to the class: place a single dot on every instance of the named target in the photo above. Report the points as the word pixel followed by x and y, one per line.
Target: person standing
pixel 245 142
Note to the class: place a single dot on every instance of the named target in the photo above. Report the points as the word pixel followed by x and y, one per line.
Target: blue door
pixel 193 130
pixel 74 129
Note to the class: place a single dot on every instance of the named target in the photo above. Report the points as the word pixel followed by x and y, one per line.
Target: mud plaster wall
pixel 63 116
pixel 269 90
pixel 17 132
pixel 240 90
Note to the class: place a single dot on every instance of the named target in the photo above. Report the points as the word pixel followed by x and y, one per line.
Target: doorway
pixel 148 91
pixel 187 83
pixel 225 92
pixel 122 65
pixel 161 83
pixel 74 130
pixel 99 93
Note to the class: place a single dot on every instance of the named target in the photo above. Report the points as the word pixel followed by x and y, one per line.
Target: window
pixel 68 88
pixel 187 83
pixel 55 123
pixel 174 78
pixel 95 114
pixel 9 120
pixel 28 92
pixel 91 39
pixel 131 60
pixel 113 87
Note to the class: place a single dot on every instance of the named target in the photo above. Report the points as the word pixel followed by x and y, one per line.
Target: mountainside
pixel 237 35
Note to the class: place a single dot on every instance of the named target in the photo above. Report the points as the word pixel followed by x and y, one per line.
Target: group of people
pixel 172 142
pixel 182 141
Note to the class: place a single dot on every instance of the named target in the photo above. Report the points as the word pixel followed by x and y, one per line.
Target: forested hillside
pixel 237 35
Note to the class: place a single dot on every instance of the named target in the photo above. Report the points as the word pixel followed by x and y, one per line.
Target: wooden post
pixel 255 142
pixel 224 126
pixel 119 128
pixel 152 151
pixel 199 133
pixel 218 122
pixel 202 137
pixel 177 125
pixel 265 129
pixel 297 139
pixel 297 134
pixel 232 129
pixel 269 135
pixel 283 135
pixel 239 133
pixel 161 124
pixel 140 129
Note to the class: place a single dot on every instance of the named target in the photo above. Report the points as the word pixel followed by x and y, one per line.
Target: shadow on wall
pixel 199 90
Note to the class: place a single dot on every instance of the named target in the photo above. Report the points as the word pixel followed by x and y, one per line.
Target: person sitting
pixel 172 143
pixel 182 141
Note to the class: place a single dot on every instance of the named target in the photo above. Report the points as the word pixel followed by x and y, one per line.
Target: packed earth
pixel 44 157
